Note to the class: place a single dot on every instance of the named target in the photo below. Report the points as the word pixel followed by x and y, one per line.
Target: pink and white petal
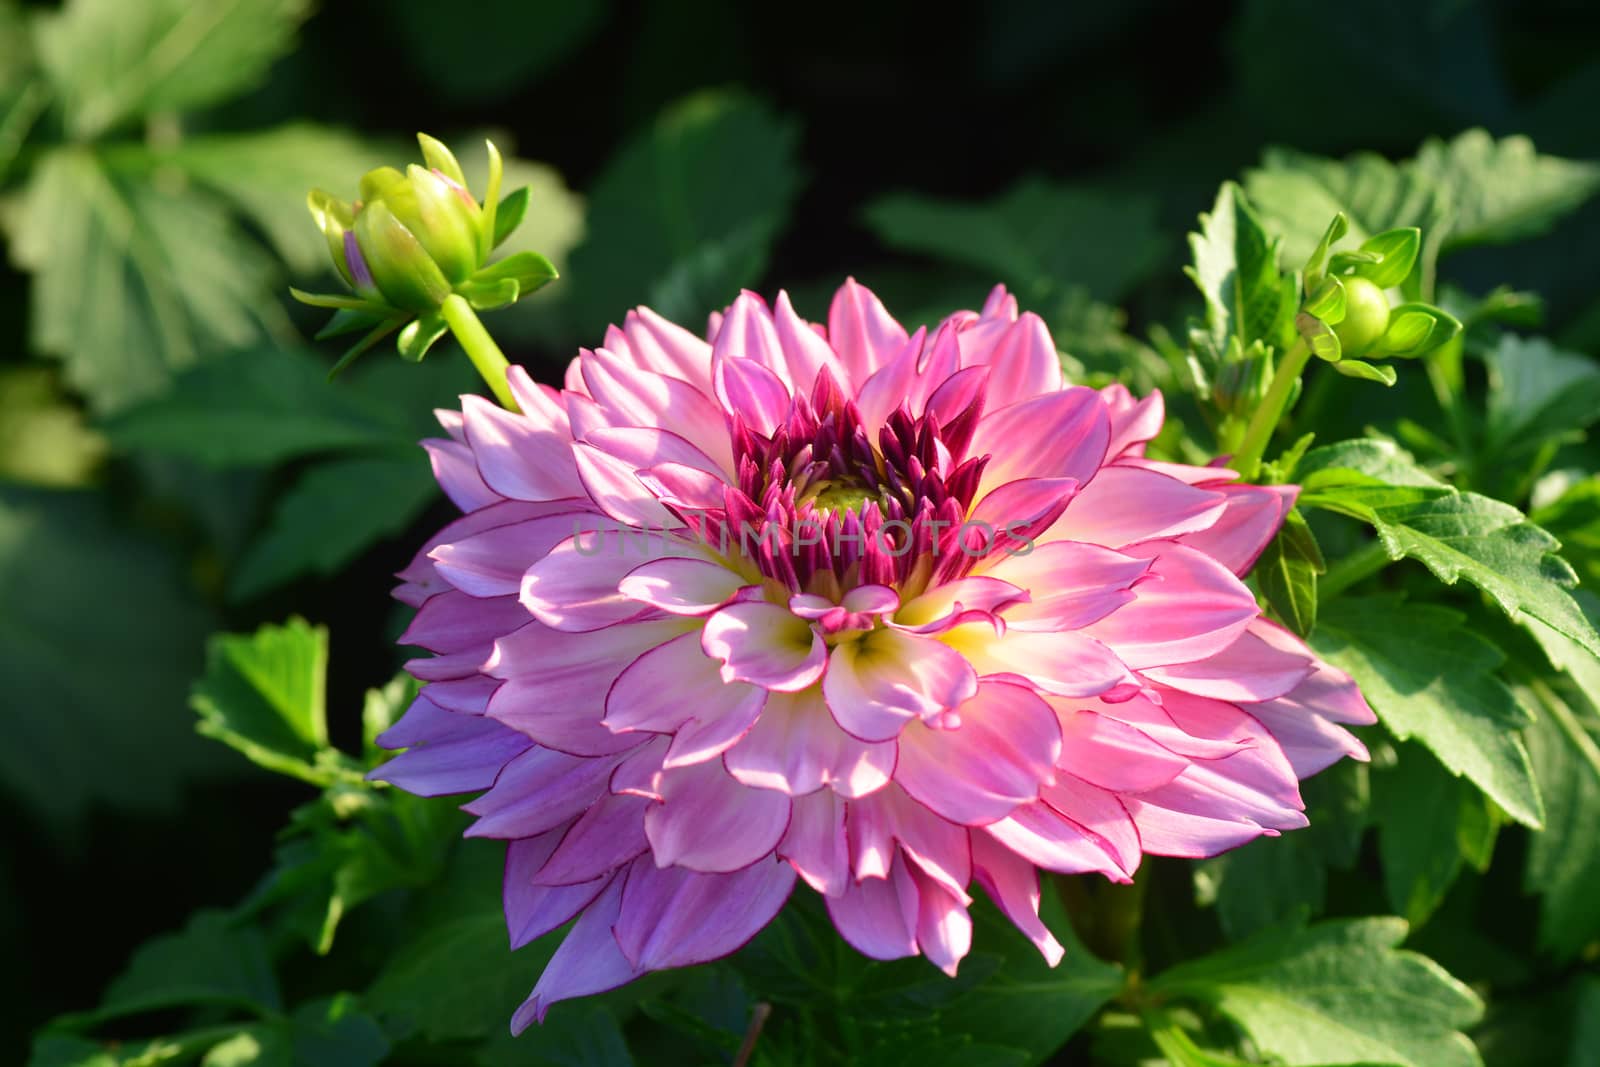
pixel 749 389
pixel 610 834
pixel 864 334
pixel 816 845
pixel 492 562
pixel 1195 609
pixel 1069 584
pixel 795 747
pixel 1046 838
pixel 675 683
pixel 1251 669
pixel 524 457
pixel 673 917
pixel 681 585
pixel 1252 518
pixel 886 677
pixel 1024 363
pixel 765 645
pixel 538 791
pixel 534 910
pixel 928 611
pixel 878 916
pixel 1004 750
pixel 944 929
pixel 1133 422
pixel 1306 720
pixel 1013 884
pixel 889 386
pixel 708 822
pixel 469 696
pixel 1126 505
pixel 1062 662
pixel 747 332
pixel 422 579
pixel 632 398
pixel 588 961
pixel 456 622
pixel 575 587
pixel 805 352
pixel 1022 511
pixel 667 348
pixel 1113 755
pixel 936 847
pixel 456 471
pixel 609 461
pixel 1057 435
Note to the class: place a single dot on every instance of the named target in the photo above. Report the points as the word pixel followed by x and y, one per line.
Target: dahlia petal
pixel 608 463
pixel 575 587
pixel 1252 518
pixel 1024 362
pixel 944 929
pixel 862 331
pixel 795 747
pixel 538 791
pixel 1304 721
pixel 667 348
pixel 672 917
pixel 421 577
pixel 765 645
pixel 805 353
pixel 1061 434
pixel 610 834
pixel 1133 422
pixel 523 457
pixel 1013 884
pixel 469 696
pixel 1195 609
pixel 1113 755
pixel 1062 662
pixel 456 471
pixel 1021 511
pixel 634 398
pixel 889 386
pixel 1126 505
pixel 1070 584
pixel 534 910
pixel 708 822
pixel 1004 749
pixel 874 684
pixel 676 688
pixel 815 844
pixel 1250 669
pixel 747 332
pixel 681 585
pixel 491 563
pixel 460 754
pixel 936 847
pixel 1074 828
pixel 749 389
pixel 456 622
pixel 588 961
pixel 878 916
pixel 942 603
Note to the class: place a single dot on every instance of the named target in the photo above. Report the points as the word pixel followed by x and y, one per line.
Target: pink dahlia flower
pixel 889 614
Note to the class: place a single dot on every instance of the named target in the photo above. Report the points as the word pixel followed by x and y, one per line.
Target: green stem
pixel 1247 461
pixel 480 348
pixel 1362 563
pixel 1576 735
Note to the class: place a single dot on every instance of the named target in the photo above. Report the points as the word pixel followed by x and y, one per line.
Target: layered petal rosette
pixel 892 614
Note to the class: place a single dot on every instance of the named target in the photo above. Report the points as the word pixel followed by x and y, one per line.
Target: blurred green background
pixel 171 463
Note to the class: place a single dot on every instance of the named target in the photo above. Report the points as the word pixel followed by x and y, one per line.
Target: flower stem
pixel 1247 461
pixel 480 348
pixel 1364 562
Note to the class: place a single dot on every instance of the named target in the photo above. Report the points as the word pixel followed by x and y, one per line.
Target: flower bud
pixel 401 268
pixel 1366 315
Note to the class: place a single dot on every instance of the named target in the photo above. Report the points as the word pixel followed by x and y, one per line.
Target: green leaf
pixel 1039 237
pixel 1430 678
pixel 1537 393
pixel 98 639
pixel 1236 270
pixel 254 408
pixel 1287 574
pixel 1371 372
pixel 1563 862
pixel 1502 190
pixel 508 216
pixel 1397 254
pixel 43 440
pixel 1457 536
pixel 265 174
pixel 133 281
pixel 420 334
pixel 1316 263
pixel 111 61
pixel 333 512
pixel 712 180
pixel 483 59
pixel 211 961
pixel 264 694
pixel 1422 813
pixel 1338 992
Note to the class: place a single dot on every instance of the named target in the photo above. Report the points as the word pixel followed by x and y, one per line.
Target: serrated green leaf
pixel 1502 190
pixel 110 61
pixel 1429 678
pixel 1456 536
pixel 712 180
pixel 254 408
pixel 1537 393
pixel 330 514
pixel 212 960
pixel 1287 574
pixel 1236 269
pixel 263 694
pixel 94 680
pixel 133 282
pixel 1039 237
pixel 1419 809
pixel 1338 992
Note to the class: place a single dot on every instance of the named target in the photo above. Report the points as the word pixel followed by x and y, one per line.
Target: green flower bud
pixel 401 268
pixel 1366 315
